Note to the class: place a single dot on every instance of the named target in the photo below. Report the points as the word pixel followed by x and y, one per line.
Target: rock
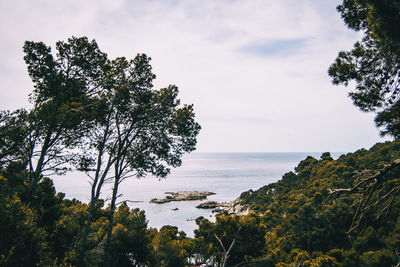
pixel 182 196
pixel 208 205
pixel 159 200
pixel 175 209
pixel 233 207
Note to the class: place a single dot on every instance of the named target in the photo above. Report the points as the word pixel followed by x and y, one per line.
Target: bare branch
pixel 374 183
pixel 226 253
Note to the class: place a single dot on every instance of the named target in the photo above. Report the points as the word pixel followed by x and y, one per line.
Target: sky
pixel 255 70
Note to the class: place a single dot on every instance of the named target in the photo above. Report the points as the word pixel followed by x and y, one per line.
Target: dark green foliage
pixel 171 248
pixel 298 222
pixel 98 115
pixel 245 236
pixel 130 241
pixel 24 231
pixel 306 223
pixel 49 234
pixel 374 62
pixel 378 17
pixel 13 131
pixel 138 130
pixel 21 241
pixel 64 106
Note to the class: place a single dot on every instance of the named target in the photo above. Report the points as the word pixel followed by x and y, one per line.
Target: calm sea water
pixel 226 174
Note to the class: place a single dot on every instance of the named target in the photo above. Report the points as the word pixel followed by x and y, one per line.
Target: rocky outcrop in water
pixel 208 205
pixel 182 196
pixel 233 207
pixel 236 208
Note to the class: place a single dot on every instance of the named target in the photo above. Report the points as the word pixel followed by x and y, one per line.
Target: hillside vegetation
pixel 301 220
pixel 308 222
pixel 103 117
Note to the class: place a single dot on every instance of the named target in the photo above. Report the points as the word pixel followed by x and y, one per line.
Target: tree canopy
pixel 103 117
pixel 98 115
pixel 374 62
pixel 63 104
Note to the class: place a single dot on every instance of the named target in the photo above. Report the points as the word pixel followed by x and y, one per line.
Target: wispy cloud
pixel 237 60
pixel 278 48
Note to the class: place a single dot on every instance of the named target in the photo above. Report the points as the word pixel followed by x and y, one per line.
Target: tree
pixel 20 238
pixel 374 62
pixel 150 132
pixel 13 131
pixel 139 131
pixel 104 118
pixel 131 242
pixel 169 247
pixel 62 103
pixel 232 240
pixel 374 65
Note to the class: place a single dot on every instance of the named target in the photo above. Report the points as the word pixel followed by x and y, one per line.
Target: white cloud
pixel 246 99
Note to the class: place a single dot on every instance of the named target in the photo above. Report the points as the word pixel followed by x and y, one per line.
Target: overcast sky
pixel 256 71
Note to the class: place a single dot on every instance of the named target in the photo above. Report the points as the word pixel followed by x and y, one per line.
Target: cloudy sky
pixel 255 70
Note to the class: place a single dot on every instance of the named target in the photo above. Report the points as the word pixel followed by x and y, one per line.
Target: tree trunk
pixel 82 247
pixel 35 175
pixel 107 254
pixel 94 194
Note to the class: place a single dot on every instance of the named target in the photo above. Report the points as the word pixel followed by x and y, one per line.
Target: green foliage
pixel 171 248
pixel 21 241
pixel 64 104
pixel 298 223
pixel 13 131
pixel 136 129
pixel 107 113
pixel 98 115
pixel 307 225
pixel 49 234
pixel 373 64
pixel 245 235
pixel 378 17
pixel 130 237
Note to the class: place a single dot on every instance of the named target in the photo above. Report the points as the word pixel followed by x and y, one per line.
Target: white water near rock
pixel 226 174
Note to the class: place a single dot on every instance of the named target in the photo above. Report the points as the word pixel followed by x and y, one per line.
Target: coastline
pixel 233 207
pixel 227 175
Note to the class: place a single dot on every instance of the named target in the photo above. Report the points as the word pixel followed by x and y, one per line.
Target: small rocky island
pixel 182 196
pixel 233 207
pixel 208 205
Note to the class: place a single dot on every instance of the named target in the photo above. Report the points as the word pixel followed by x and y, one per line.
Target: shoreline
pixel 233 207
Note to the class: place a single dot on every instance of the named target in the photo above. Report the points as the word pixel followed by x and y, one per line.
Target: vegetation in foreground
pixel 104 118
pixel 299 221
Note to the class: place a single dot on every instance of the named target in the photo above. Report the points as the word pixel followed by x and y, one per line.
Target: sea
pixel 225 174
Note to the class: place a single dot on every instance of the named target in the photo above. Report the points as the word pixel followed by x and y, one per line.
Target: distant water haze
pixel 226 174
